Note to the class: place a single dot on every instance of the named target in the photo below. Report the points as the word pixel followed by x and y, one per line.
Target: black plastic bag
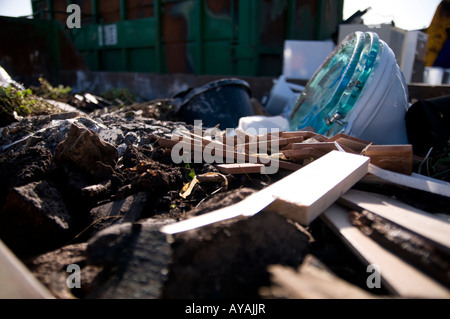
pixel 428 124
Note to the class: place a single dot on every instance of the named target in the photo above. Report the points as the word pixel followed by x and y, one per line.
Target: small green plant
pixel 191 172
pixel 437 163
pixel 48 91
pixel 12 99
pixel 15 102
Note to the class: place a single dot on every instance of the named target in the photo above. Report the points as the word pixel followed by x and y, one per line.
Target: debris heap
pixel 100 191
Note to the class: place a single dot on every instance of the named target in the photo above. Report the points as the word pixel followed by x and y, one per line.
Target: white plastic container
pixel 380 111
pixel 433 75
pixel 359 90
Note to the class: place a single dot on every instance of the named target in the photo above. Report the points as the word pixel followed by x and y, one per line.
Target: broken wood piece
pixel 240 168
pixel 396 158
pixel 414 219
pixel 286 147
pixel 353 143
pixel 324 146
pixel 17 281
pixel 303 153
pixel 229 155
pixel 348 137
pixel 345 148
pixel 427 255
pixel 287 165
pixel 397 276
pixel 415 181
pixel 312 280
pixel 201 139
pixel 169 143
pixel 243 137
pixel 304 195
pixel 188 187
pixel 305 134
pixel 267 145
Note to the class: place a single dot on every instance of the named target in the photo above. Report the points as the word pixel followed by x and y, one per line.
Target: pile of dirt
pixel 94 189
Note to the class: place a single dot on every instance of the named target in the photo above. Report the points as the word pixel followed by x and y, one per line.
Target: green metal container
pixel 222 37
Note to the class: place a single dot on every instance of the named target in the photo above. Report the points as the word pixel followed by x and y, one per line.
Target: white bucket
pixel 379 113
pixel 359 90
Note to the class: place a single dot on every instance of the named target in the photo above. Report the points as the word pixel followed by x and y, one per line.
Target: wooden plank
pixel 303 153
pixel 348 137
pixel 267 144
pixel 305 194
pixel 169 143
pixel 240 168
pixel 412 218
pixel 396 158
pixel 397 276
pixel 305 134
pixel 353 143
pixel 345 148
pixel 288 165
pixel 17 282
pixel 414 181
pixel 300 196
pixel 286 147
pixel 321 146
pixel 425 254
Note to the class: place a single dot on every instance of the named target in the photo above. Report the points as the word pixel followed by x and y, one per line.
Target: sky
pixel 407 14
pixel 15 8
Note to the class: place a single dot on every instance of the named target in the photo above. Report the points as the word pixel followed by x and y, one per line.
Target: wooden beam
pixel 415 181
pixel 300 196
pixel 425 254
pixel 397 276
pixel 305 194
pixel 416 220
